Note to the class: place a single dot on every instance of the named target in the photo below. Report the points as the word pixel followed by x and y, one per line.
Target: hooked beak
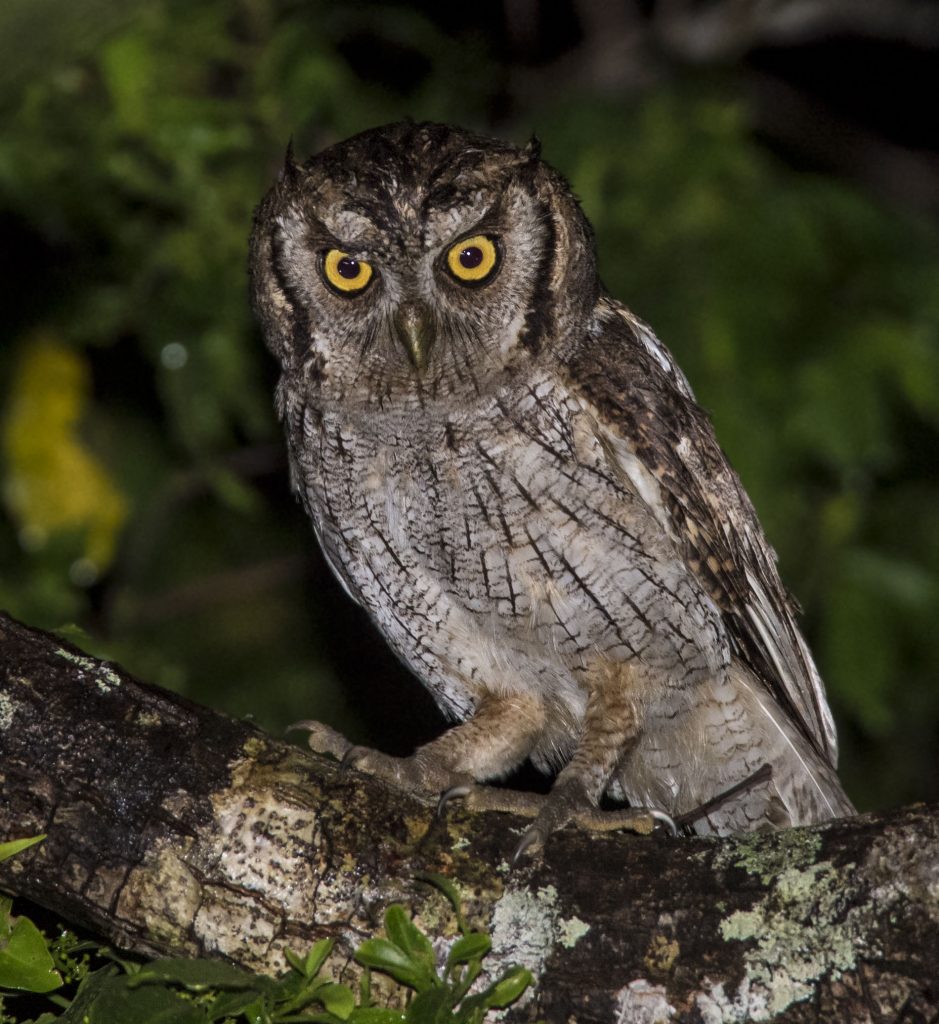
pixel 414 328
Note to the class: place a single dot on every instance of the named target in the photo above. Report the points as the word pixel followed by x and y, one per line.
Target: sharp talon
pixel 532 837
pixel 349 758
pixel 667 820
pixel 305 725
pixel 321 739
pixel 453 793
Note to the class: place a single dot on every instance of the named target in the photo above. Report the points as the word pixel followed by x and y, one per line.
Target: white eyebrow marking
pixel 444 226
pixel 347 224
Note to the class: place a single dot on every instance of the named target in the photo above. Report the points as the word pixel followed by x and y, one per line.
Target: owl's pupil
pixel 471 257
pixel 348 268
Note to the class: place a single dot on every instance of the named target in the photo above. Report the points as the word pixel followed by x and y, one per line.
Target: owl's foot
pixel 322 739
pixel 418 773
pixel 421 773
pixel 567 803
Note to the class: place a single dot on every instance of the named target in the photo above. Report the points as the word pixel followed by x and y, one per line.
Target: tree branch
pixel 173 828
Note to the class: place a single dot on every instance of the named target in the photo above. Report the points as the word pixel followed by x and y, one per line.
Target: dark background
pixel 764 182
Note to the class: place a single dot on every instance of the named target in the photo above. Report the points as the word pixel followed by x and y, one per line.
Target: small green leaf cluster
pixel 198 991
pixel 26 962
pixel 406 954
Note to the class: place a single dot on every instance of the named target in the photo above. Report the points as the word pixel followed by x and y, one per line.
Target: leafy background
pixel 762 193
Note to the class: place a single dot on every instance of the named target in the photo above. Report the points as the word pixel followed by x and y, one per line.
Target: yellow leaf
pixel 55 484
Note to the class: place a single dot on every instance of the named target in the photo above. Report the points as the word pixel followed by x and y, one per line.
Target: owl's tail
pixel 800 787
pixel 731 760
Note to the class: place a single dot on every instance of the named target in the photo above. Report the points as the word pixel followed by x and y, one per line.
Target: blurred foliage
pixel 54 485
pixel 93 984
pixel 144 485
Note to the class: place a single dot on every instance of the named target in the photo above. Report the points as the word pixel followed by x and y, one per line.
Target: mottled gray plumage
pixel 509 472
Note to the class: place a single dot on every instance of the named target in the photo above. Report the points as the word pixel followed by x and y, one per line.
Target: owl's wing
pixel 648 407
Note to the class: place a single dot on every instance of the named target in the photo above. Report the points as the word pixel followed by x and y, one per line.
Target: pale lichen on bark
pixel 527 928
pixel 801 930
pixel 800 934
pixel 172 829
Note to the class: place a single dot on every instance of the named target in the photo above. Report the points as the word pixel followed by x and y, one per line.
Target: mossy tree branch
pixel 172 828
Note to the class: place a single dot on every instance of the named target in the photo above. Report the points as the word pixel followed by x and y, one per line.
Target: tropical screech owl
pixel 509 472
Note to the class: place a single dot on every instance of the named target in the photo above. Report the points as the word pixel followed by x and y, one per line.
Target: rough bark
pixel 174 828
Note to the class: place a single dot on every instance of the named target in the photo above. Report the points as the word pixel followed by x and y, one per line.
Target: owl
pixel 508 471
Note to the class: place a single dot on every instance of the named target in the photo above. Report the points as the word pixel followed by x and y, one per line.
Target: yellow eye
pixel 473 260
pixel 344 273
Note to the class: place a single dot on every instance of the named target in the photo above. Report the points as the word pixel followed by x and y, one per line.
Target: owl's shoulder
pixel 641 397
pixel 623 349
pixel 635 385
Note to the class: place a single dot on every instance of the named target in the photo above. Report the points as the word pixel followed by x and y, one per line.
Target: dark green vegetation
pixel 91 984
pixel 145 498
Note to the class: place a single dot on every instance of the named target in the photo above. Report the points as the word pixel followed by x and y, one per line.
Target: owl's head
pixel 417 262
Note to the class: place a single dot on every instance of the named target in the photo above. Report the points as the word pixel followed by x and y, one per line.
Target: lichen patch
pixel 163 894
pixel 642 1002
pixel 661 953
pixel 572 931
pixel 715 1006
pixel 106 679
pixel 269 847
pixel 7 711
pixel 800 933
pixel 767 855
pixel 526 927
pixel 229 924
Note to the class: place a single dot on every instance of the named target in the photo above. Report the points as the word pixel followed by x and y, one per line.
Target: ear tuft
pixel 533 148
pixel 291 169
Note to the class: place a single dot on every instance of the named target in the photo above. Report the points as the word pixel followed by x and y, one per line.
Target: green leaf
pixel 230 1004
pixel 106 997
pixel 289 987
pixel 469 947
pixel 405 934
pixel 365 988
pixel 15 846
pixel 431 1007
pixel 6 925
pixel 387 957
pixel 337 999
pixel 25 962
pixel 462 981
pixel 198 975
pixel 376 1015
pixel 444 885
pixel 255 1012
pixel 508 988
pixel 317 957
pixel 151 1004
pixel 297 962
pixel 89 989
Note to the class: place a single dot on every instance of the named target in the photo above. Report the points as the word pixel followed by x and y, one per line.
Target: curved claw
pixel 453 793
pixel 304 725
pixel 350 757
pixel 666 819
pixel 533 837
pixel 321 739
